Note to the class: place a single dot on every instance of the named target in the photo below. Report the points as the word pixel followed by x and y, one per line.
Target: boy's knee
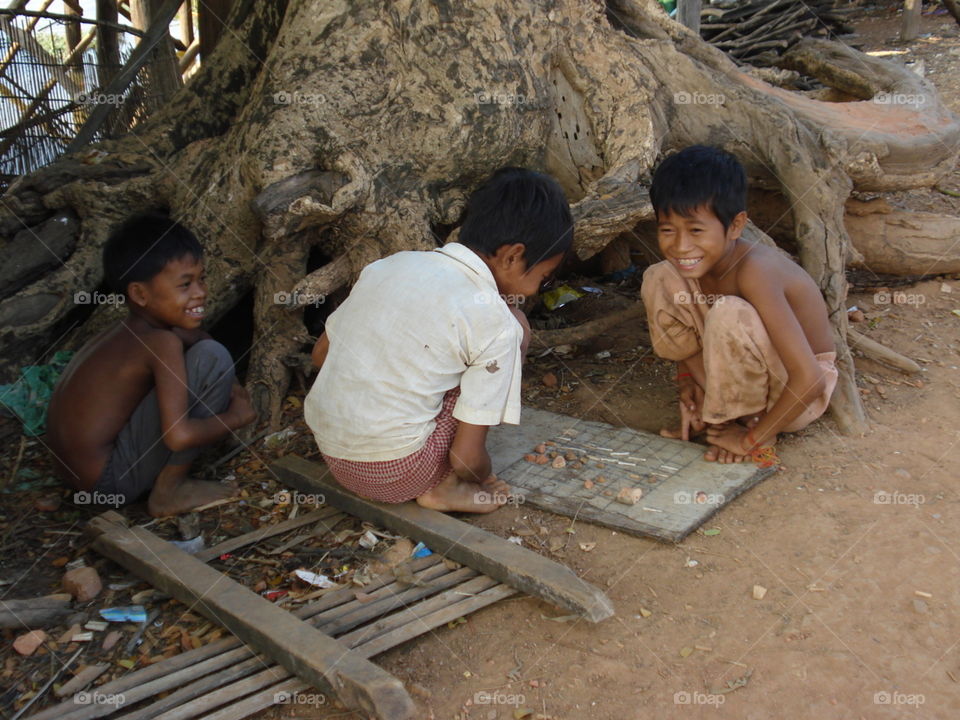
pixel 208 358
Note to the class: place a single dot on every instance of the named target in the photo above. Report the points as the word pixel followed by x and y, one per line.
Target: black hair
pixel 141 247
pixel 700 176
pixel 519 206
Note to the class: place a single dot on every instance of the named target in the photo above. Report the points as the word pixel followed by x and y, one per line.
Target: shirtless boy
pixel 139 401
pixel 747 327
pixel 425 354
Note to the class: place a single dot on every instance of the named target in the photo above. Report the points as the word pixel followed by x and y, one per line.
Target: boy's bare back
pixel 96 395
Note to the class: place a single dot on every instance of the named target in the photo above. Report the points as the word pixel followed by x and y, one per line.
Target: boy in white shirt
pixel 425 354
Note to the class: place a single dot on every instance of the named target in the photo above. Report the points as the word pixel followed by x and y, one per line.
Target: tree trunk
pixel 355 129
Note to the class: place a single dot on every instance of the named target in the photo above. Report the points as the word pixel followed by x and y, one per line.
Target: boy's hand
pixel 241 409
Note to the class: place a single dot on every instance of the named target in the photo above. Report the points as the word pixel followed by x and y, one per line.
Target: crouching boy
pixel 425 354
pixel 747 327
pixel 140 400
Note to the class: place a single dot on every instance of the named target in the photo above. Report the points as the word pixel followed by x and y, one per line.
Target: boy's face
pixel 698 244
pixel 513 277
pixel 173 297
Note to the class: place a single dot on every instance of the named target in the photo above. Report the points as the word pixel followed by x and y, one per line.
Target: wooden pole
pixel 185 20
pixel 211 19
pixel 911 20
pixel 108 42
pixel 165 77
pixel 688 13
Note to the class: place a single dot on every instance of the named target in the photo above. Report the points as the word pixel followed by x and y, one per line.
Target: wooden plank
pixel 483 551
pixel 413 613
pixel 265 532
pixel 208 702
pixel 34 612
pixel 302 649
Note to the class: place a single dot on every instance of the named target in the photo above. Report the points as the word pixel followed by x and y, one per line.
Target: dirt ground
pixel 857 540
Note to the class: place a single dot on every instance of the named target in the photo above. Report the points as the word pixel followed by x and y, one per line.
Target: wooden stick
pixel 541 339
pixel 465 543
pixel 73 18
pixel 265 532
pixel 313 656
pixel 34 612
pixel 875 351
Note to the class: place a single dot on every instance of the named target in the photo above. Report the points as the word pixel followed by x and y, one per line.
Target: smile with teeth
pixel 195 312
pixel 688 262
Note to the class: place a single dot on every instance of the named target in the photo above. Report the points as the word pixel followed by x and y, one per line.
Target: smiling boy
pixel 140 400
pixel 747 327
pixel 425 354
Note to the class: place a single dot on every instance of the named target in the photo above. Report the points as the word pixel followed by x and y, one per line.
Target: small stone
pixel 920 606
pixel 83 583
pixel 570 456
pixel 758 592
pixel 550 380
pixel 856 316
pixel 530 457
pixel 540 449
pixel 28 643
pixel 576 465
pixel 601 479
pixel 542 460
pixel 558 462
pixel 629 496
pixel 401 550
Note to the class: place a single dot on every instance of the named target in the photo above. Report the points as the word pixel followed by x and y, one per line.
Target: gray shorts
pixel 139 453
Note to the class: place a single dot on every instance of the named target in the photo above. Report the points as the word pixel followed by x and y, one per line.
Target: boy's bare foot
pixel 173 493
pixel 720 455
pixel 454 494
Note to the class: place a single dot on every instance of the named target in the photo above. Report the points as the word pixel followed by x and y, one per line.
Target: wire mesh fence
pixel 48 89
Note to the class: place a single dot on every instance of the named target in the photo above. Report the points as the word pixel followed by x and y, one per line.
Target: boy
pixel 140 400
pixel 425 353
pixel 747 327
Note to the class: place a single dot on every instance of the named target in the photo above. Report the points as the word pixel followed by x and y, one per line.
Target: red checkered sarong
pixel 406 478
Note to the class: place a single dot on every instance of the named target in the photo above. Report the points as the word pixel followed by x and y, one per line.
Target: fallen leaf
pixel 686 651
pixel 711 532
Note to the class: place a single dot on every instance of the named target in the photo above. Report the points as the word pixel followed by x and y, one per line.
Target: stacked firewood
pixel 759 31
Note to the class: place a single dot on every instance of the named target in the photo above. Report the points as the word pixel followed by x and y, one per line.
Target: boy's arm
pixel 180 431
pixel 320 349
pixel 805 382
pixel 468 453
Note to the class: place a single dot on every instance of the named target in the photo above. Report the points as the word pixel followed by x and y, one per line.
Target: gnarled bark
pixel 357 128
